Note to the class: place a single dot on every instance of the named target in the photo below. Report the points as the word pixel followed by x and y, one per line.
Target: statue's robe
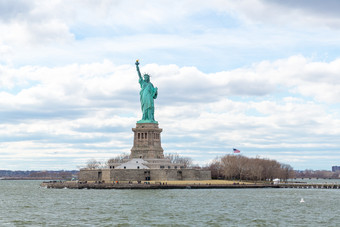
pixel 147 94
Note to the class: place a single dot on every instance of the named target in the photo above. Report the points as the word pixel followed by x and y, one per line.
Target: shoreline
pixel 167 185
pixel 183 185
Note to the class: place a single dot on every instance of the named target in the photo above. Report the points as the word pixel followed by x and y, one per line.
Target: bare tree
pixel 308 173
pixel 257 168
pixel 216 169
pixel 118 158
pixel 93 164
pixel 286 172
pixel 228 163
pixel 244 168
pixel 177 159
pixel 271 169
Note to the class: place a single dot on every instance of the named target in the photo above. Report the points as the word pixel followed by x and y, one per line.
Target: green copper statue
pixel 147 94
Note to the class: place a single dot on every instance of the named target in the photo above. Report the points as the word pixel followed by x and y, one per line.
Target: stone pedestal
pixel 147 142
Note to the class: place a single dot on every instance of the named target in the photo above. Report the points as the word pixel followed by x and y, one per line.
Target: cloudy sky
pixel 258 75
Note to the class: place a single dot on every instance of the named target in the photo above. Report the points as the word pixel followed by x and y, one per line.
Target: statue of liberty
pixel 147 94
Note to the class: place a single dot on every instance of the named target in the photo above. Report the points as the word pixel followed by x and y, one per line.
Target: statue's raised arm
pixel 137 67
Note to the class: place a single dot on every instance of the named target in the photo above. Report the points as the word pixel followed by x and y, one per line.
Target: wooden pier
pixel 310 186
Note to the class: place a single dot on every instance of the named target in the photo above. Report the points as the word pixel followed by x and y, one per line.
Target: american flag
pixel 236 151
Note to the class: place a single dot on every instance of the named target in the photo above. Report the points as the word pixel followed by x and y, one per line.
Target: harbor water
pixel 25 203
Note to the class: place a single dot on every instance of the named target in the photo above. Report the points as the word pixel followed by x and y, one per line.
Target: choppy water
pixel 24 203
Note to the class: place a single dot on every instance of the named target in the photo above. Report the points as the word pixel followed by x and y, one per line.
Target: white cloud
pixel 212 36
pixel 83 111
pixel 260 75
pixel 295 13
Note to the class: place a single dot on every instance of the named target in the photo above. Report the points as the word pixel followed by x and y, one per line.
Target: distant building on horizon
pixel 335 168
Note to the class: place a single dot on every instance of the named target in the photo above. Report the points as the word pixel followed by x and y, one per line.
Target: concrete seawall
pixel 76 185
pixel 169 185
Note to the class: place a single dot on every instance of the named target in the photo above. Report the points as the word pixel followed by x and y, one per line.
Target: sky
pixel 257 75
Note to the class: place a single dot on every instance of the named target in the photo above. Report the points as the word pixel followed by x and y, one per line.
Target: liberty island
pixel 146 161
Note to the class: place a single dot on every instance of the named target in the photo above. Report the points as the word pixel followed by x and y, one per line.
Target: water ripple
pixel 24 203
